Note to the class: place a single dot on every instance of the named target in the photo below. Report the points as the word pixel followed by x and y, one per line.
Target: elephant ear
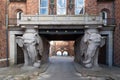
pixel 102 41
pixel 86 37
pixel 19 41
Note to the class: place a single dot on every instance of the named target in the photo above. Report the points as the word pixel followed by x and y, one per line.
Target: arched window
pixel 65 53
pixel 104 17
pixel 59 53
pixel 19 15
pixel 79 7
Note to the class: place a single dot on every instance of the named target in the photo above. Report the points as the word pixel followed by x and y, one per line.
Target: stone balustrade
pixel 60 20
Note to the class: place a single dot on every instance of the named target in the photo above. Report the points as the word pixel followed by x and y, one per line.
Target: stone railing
pixel 59 20
pixel 109 21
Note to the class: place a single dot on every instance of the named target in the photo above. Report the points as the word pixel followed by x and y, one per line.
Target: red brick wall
pixel 14 7
pixel 117 34
pixel 32 6
pixel 2 32
pixel 2 13
pixel 91 7
pixel 65 45
pixel 106 6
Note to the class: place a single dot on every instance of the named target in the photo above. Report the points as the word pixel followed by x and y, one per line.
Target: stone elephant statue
pixel 87 48
pixel 90 45
pixel 32 46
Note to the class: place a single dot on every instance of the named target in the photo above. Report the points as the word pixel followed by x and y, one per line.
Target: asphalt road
pixel 61 68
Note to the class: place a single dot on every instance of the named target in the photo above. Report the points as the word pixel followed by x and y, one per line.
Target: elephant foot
pixel 96 65
pixel 26 64
pixel 36 64
pixel 96 68
pixel 28 68
pixel 88 65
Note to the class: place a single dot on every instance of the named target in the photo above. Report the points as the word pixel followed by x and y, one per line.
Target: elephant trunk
pixel 91 50
pixel 32 53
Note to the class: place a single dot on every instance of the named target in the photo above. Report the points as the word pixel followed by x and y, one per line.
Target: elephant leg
pixel 32 53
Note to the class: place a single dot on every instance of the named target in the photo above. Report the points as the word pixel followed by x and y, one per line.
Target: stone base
pixel 96 73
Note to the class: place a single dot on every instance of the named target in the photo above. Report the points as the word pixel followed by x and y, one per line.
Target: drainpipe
pixel 6 17
pixel 113 10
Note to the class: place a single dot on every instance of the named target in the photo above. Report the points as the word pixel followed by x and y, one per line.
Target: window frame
pixel 39 11
pixel 19 13
pixel 79 8
pixel 61 8
pixel 47 8
pixel 104 17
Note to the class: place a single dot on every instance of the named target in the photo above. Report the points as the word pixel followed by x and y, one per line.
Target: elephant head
pixel 29 43
pixel 94 41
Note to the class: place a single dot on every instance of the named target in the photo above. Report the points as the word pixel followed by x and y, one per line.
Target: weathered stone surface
pixel 36 64
pixel 30 43
pixel 32 7
pixel 87 48
pixel 36 73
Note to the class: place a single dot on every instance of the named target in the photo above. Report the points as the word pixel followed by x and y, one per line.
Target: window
pixel 104 17
pixel 79 7
pixel 61 7
pixel 44 7
pixel 19 15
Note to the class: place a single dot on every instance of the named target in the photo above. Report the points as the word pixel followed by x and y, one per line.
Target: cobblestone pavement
pixel 63 68
pixel 60 68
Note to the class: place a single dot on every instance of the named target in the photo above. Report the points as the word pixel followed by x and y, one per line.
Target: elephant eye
pixel 33 41
pixel 90 39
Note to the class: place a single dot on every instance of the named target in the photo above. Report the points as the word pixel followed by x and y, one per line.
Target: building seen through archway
pixel 62 48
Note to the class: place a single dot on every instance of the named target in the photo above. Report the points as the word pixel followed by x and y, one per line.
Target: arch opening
pixel 63 45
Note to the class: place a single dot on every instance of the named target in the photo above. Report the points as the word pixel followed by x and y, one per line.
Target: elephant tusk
pixel 87 61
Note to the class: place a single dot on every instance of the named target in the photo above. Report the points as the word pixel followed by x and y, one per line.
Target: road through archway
pixel 61 68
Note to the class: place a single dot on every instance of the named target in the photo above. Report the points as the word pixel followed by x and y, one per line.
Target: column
pixel 110 49
pixel 12 49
